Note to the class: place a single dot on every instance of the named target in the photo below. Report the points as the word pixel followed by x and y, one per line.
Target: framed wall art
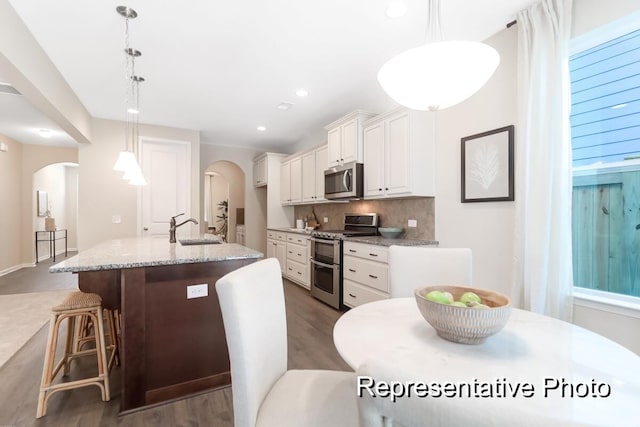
pixel 487 166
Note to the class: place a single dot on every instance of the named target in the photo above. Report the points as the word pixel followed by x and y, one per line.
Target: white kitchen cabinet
pixel 344 138
pixel 366 273
pixel 260 171
pixel 297 260
pixel 285 183
pixel 321 166
pixel 309 177
pixel 291 181
pixel 271 248
pixel 296 180
pixel 399 153
pixel 281 251
pixel 314 164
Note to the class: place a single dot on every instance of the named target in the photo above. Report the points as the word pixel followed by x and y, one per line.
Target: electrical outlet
pixel 325 219
pixel 412 223
pixel 116 219
pixel 197 291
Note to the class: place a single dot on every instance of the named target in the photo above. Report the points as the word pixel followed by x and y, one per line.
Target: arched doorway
pixel 55 196
pixel 224 199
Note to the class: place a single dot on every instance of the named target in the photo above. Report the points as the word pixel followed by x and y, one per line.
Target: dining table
pixel 537 369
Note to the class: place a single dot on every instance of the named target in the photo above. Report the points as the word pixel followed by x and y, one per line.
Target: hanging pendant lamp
pixel 438 74
pixel 127 161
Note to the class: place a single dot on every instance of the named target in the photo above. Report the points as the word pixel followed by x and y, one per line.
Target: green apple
pixel 481 306
pixel 459 304
pixel 470 298
pixel 439 297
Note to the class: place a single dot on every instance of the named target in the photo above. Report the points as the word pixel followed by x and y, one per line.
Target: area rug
pixel 21 316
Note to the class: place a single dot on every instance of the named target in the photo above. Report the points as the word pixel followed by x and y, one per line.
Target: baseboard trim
pixel 15 268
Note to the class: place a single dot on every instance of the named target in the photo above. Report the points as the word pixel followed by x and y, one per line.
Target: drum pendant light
pixel 438 74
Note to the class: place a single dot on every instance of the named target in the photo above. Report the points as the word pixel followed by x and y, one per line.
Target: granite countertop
pixel 150 251
pixel 383 241
pixel 290 230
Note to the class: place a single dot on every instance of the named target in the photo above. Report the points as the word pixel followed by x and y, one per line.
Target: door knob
pixel 146 228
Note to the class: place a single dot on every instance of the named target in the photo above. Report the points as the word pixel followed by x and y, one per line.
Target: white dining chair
pixel 411 267
pixel 264 392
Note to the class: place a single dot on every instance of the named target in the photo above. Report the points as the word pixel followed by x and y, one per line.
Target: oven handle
pixel 322 264
pixel 329 241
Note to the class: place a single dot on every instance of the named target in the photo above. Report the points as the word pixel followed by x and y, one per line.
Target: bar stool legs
pixel 75 306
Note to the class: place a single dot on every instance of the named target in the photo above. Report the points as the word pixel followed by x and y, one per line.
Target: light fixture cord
pixel 127 76
pixel 433 32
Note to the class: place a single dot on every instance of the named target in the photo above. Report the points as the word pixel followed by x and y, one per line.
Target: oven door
pixel 325 282
pixel 325 250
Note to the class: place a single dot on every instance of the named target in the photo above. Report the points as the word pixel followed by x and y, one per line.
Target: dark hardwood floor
pixel 310 327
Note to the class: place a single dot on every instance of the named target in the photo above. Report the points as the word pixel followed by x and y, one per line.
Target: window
pixel 605 135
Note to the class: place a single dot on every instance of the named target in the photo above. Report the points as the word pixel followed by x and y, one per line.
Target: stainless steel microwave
pixel 344 182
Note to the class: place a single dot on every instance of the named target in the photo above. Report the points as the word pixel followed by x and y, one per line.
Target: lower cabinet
pixel 292 251
pixel 298 259
pixel 365 272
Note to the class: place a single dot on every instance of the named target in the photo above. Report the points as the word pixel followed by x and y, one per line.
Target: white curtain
pixel 542 258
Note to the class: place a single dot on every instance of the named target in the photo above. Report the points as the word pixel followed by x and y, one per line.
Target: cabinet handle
pixel 353 251
pixel 387 188
pixel 291 269
pixel 379 189
pixel 290 252
pixel 373 277
pixel 352 270
pixel 373 254
pixel 351 295
pixel 299 254
pixel 299 273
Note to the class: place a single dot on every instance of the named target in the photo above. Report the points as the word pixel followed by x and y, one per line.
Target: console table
pixel 51 237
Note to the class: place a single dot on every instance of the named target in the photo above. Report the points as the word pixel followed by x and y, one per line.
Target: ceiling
pixel 223 67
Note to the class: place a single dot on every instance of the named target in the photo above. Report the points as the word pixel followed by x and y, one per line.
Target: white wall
pixel 255 198
pixel 71 200
pixel 51 179
pixel 101 191
pixel 488 228
pixel 10 206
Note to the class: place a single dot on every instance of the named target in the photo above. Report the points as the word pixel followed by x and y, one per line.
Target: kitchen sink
pixel 190 242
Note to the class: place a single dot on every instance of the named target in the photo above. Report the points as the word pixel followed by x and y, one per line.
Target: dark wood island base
pixel 172 347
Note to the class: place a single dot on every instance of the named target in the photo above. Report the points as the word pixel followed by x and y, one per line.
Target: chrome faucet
pixel 173 226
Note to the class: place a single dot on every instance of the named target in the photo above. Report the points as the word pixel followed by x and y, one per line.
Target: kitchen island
pixel 171 345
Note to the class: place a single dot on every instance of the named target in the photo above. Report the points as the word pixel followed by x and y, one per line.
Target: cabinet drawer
pixel 373 274
pixel 271 234
pixel 281 236
pixel 297 239
pixel 371 252
pixel 355 294
pixel 296 271
pixel 297 253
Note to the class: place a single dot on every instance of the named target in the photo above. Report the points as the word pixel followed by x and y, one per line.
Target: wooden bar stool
pixel 75 305
pixel 85 333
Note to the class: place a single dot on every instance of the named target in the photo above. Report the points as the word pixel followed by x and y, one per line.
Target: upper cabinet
pixel 344 139
pixel 314 164
pixel 260 171
pixel 291 181
pixel 399 152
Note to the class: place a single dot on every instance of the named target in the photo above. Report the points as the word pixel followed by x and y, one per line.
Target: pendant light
pixel 438 74
pixel 127 161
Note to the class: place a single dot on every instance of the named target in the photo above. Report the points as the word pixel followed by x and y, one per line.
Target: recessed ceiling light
pixel 302 92
pixel 261 128
pixel 45 133
pixel 284 106
pixel 615 107
pixel 132 111
pixel 396 9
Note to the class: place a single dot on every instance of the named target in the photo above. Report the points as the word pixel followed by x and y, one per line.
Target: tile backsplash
pixel 393 213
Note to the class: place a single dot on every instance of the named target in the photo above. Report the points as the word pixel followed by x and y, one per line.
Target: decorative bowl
pixel 390 232
pixel 465 325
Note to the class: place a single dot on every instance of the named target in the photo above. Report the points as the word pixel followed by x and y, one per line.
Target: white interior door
pixel 167 167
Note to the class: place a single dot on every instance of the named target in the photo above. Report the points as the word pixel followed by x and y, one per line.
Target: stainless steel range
pixel 326 256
